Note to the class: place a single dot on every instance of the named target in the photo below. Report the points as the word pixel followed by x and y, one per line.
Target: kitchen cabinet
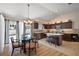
pixel 71 37
pixel 61 25
pixel 40 35
pixel 67 37
pixel 47 26
pixel 36 25
pixel 53 26
pixel 67 25
pixel 55 38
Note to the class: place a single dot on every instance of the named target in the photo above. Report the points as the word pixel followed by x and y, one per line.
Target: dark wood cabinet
pixel 67 25
pixel 47 26
pixel 55 39
pixel 71 37
pixel 36 25
pixel 40 35
pixel 53 26
pixel 67 37
pixel 61 25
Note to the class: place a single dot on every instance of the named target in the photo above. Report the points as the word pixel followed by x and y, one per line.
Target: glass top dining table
pixel 24 42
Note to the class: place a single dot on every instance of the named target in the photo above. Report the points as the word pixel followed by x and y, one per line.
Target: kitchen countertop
pixel 49 34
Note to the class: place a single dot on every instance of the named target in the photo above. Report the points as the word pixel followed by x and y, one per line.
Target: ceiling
pixel 37 10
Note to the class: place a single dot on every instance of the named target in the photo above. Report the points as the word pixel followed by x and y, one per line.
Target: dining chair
pixel 15 44
pixel 35 40
pixel 30 46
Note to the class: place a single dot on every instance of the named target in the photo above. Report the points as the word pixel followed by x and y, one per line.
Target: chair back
pixel 35 41
pixel 31 41
pixel 12 41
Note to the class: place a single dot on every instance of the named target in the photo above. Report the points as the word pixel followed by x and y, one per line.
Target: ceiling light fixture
pixel 29 20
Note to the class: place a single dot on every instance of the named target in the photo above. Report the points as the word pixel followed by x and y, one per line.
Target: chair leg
pixel 38 45
pixel 35 51
pixel 12 51
pixel 29 52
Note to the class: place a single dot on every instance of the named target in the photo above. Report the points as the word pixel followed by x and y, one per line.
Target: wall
pixel 2 33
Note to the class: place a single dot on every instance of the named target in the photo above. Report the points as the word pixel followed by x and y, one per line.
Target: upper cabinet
pixel 47 26
pixel 53 26
pixel 35 25
pixel 67 25
pixel 58 26
pixel 61 25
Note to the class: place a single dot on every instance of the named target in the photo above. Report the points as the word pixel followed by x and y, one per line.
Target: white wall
pixel 2 33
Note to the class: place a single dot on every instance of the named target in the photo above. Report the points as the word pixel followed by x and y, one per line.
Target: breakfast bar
pixel 55 38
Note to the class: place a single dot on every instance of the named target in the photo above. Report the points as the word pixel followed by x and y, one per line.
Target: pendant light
pixel 29 20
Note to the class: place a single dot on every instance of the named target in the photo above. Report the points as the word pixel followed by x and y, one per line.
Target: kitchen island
pixel 55 38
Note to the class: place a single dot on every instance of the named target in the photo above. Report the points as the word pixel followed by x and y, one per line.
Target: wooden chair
pixel 35 40
pixel 15 44
pixel 30 46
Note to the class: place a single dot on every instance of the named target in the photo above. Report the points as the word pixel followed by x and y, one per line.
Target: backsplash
pixel 55 31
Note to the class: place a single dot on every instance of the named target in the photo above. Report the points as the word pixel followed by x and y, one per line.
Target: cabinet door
pixel 67 25
pixel 49 26
pixel 67 37
pixel 45 27
pixel 35 25
pixel 53 26
pixel 64 25
pixel 58 26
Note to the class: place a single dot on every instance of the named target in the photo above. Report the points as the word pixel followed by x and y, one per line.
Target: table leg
pixel 29 47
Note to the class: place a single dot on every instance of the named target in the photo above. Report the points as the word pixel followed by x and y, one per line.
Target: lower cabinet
pixel 58 40
pixel 55 39
pixel 71 37
pixel 40 35
pixel 67 37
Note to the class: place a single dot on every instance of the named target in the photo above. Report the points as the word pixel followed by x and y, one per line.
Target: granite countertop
pixel 49 34
pixel 39 32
